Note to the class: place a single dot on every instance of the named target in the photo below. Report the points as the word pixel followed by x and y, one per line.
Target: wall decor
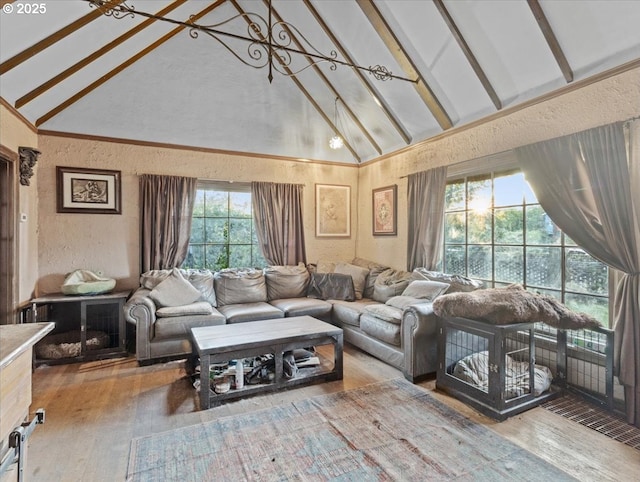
pixel 385 211
pixel 89 191
pixel 333 211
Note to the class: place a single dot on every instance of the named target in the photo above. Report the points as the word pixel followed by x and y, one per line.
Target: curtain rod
pixel 200 179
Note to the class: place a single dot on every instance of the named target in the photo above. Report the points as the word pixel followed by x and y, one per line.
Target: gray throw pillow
pixel 357 273
pixel 174 291
pixel 428 290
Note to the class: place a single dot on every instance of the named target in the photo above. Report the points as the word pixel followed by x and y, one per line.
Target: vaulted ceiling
pixel 67 67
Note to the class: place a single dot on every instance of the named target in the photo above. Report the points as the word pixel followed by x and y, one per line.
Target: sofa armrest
pixel 140 310
pixel 419 341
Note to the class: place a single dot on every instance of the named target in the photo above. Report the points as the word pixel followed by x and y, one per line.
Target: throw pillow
pixel 357 273
pixel 174 291
pixel 390 283
pixel 428 290
pixel 202 280
pixel 325 267
pixel 374 270
pixel 458 282
pixel 154 277
pixel 198 308
pixel 403 302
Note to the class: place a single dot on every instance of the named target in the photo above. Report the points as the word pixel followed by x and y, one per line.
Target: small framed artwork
pixel 89 191
pixel 385 211
pixel 333 211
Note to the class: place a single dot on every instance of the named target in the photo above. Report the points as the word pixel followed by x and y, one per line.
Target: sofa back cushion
pixel 374 270
pixel 390 283
pixel 458 283
pixel 200 279
pixel 331 286
pixel 240 285
pixel 357 273
pixel 286 281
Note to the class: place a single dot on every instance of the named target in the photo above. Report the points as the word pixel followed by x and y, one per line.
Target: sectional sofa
pixel 385 312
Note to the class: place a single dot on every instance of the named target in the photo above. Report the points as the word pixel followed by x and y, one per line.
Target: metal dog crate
pixel 505 356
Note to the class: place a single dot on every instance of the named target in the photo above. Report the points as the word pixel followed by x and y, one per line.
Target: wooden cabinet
pixel 90 327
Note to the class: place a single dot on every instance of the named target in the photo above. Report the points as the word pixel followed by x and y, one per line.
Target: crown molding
pixel 17 114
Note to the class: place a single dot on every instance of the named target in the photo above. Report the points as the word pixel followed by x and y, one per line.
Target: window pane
pixel 197 231
pixel 595 306
pixel 455 260
pixel 258 259
pixel 556 294
pixel 454 228
pixel 216 230
pixel 479 228
pixel 540 228
pixel 479 194
pixel 216 257
pixel 198 204
pixel 509 190
pixel 480 262
pixel 585 274
pixel 544 267
pixel 508 224
pixel 240 231
pixel 509 264
pixel 195 257
pixel 455 196
pixel 240 204
pixel 217 204
pixel 240 256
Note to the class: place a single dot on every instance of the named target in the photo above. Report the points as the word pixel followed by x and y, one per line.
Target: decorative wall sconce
pixel 28 159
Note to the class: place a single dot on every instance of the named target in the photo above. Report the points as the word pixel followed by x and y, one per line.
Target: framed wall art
pixel 89 191
pixel 333 211
pixel 385 211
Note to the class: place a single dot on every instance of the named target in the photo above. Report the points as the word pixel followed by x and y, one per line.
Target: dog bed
pixel 67 345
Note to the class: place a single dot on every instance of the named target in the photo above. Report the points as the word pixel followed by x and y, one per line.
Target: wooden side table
pixel 81 314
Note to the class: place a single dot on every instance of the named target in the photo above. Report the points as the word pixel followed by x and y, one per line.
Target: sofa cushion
pixel 152 278
pixel 174 291
pixel 180 326
pixel 303 306
pixel 374 270
pixel 384 312
pixel 324 266
pixel 348 312
pixel 425 289
pixel 390 283
pixel 198 308
pixel 287 281
pixel 458 283
pixel 357 273
pixel 380 329
pixel 242 312
pixel 331 286
pixel 403 302
pixel 240 285
pixel 202 280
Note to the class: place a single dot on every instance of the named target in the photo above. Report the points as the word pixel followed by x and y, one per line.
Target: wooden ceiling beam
pixel 404 60
pixel 378 99
pixel 328 83
pixel 304 91
pixel 42 88
pixel 551 39
pixel 79 95
pixel 466 50
pixel 51 39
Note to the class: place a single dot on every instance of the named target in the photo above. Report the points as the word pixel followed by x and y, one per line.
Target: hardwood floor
pixel 93 410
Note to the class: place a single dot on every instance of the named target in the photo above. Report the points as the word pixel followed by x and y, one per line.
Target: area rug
pixel 391 430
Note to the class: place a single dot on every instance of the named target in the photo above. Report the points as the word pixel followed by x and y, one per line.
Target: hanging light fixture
pixel 267 40
pixel 336 141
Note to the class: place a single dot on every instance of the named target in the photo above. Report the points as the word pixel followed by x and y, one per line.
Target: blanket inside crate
pixel 474 369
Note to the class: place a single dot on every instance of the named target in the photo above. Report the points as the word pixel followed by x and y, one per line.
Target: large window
pixel 222 229
pixel 496 230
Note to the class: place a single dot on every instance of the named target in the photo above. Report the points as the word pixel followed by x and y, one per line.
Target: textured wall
pixel 110 243
pixel 614 99
pixel 13 134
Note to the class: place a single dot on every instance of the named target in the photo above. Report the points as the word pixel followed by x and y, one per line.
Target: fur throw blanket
pixel 513 304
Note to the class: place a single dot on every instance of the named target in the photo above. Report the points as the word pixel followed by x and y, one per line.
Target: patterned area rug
pixel 391 430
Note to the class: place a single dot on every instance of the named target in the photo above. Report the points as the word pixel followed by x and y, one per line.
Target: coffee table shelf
pixel 219 344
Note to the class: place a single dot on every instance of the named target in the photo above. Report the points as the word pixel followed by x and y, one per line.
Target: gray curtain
pixel 166 205
pixel 278 218
pixel 425 201
pixel 585 182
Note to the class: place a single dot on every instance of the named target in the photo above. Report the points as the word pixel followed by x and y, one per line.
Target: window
pixel 496 230
pixel 222 229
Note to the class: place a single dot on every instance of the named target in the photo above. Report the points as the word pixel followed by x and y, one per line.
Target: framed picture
pixel 90 191
pixel 333 211
pixel 385 211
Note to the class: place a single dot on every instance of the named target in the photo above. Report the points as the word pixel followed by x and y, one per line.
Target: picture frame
pixel 88 191
pixel 385 211
pixel 333 211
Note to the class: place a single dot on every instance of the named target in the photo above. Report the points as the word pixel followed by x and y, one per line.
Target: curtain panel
pixel 278 218
pixel 425 202
pixel 584 182
pixel 166 205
